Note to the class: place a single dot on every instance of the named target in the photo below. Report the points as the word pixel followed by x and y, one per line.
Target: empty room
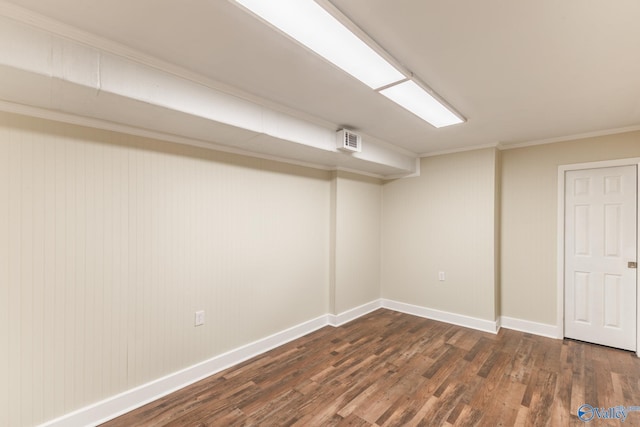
pixel 319 213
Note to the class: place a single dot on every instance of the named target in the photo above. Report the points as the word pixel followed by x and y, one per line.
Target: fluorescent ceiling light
pixel 415 99
pixel 308 23
pixel 314 27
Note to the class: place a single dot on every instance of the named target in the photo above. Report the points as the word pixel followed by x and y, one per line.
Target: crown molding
pixel 594 134
pixel 507 146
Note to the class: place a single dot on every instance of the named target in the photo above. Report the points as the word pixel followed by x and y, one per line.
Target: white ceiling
pixel 518 71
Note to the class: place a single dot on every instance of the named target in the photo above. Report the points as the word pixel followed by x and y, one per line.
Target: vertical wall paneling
pixel 5 254
pixel 109 243
pixel 39 284
pixel 133 267
pixel 80 289
pixel 48 279
pixel 14 346
pixel 92 256
pixel 58 387
pixel 105 266
pixel 356 219
pixel 29 330
pixel 332 242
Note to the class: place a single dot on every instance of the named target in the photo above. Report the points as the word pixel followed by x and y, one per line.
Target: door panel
pixel 600 225
pixel 612 229
pixel 581 297
pixel 612 300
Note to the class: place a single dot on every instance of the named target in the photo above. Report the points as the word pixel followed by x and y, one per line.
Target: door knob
pixel 632 264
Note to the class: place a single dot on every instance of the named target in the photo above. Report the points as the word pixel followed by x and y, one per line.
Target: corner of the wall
pixel 442 316
pixel 527 326
pixel 354 313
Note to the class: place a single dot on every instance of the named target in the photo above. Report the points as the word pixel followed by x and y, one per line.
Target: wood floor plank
pixel 561 411
pixel 469 417
pixel 393 369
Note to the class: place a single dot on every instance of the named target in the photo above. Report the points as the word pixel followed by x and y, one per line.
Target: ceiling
pixel 518 71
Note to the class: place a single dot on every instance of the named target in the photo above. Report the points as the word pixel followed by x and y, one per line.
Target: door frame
pixel 562 169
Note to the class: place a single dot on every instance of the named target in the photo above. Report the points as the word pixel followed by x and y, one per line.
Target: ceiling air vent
pixel 348 141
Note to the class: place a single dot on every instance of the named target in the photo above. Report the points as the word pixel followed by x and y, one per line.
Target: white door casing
pixel 600 240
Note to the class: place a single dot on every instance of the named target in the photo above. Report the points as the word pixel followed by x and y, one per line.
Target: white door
pixel 600 244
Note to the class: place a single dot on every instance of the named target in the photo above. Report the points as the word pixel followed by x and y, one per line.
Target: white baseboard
pixel 442 316
pixel 354 313
pixel 122 403
pixel 542 329
pixel 129 400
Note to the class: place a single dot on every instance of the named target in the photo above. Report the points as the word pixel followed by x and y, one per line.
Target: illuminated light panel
pixel 314 27
pixel 415 99
pixel 311 25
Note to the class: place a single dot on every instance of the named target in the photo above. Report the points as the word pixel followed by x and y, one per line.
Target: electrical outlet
pixel 199 318
pixel 441 276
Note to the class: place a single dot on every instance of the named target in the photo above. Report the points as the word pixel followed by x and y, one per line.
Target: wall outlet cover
pixel 199 318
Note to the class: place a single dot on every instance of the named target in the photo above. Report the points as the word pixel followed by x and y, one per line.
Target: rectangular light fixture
pixel 314 27
pixel 308 23
pixel 412 97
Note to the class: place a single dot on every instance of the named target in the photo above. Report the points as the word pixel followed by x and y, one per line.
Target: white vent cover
pixel 348 141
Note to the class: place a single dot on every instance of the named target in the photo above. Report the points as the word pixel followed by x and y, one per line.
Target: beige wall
pixel 109 244
pixel 529 219
pixel 443 220
pixel 358 207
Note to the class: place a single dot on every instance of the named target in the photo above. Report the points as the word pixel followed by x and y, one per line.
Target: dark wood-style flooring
pixel 394 369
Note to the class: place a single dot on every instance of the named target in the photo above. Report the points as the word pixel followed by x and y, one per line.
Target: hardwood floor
pixel 394 369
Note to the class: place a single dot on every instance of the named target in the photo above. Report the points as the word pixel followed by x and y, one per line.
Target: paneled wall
pixel 357 205
pixel 109 243
pixel 529 219
pixel 443 220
